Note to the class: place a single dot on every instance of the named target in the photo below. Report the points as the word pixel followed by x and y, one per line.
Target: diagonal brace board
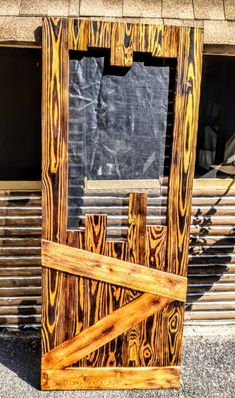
pixel 114 271
pixel 103 331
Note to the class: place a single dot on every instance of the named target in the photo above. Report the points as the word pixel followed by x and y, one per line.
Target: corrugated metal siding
pixel 20 271
pixel 211 291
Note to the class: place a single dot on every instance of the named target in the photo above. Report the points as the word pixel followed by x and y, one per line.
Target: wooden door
pixel 112 312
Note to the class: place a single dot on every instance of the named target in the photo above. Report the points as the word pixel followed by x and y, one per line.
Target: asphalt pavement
pixel 208 369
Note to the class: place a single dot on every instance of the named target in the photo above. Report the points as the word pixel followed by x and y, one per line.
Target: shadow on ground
pixel 20 352
pixel 208 369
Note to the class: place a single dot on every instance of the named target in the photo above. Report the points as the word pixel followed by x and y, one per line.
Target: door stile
pixel 56 306
pixel 189 67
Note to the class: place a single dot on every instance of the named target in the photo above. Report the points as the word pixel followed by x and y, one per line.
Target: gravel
pixel 207 371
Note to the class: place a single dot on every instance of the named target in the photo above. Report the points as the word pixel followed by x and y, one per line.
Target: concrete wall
pixel 20 20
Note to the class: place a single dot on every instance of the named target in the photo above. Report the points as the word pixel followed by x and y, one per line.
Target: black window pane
pixel 20 116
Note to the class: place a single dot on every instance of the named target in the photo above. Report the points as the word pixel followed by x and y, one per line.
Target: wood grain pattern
pixel 144 38
pixel 159 40
pixel 155 247
pixel 100 34
pixel 169 47
pixel 152 331
pixel 76 239
pixel 95 292
pixel 123 38
pixel 136 247
pixel 78 34
pixel 121 51
pixel 55 307
pixel 106 269
pixel 111 378
pixel 116 296
pixel 102 331
pixel 181 174
pixel 137 227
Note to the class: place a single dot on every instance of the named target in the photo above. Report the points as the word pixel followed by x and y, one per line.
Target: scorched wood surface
pixel 95 328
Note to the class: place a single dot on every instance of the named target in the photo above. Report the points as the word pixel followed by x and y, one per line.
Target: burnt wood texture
pixel 118 310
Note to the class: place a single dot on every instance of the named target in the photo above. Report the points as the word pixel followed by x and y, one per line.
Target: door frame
pixel 186 45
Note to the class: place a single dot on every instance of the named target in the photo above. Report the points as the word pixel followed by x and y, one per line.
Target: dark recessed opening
pixel 20 116
pixel 216 132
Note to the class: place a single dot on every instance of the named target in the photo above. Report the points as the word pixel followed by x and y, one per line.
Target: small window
pixel 120 129
pixel 216 132
pixel 20 116
pixel 118 121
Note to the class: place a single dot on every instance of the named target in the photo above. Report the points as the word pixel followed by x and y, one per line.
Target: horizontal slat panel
pixel 20 271
pixel 20 201
pixel 112 200
pixel 210 322
pixel 20 281
pixel 19 251
pixel 23 300
pixel 20 310
pixel 205 278
pixel 212 259
pixel 20 220
pixel 20 291
pixel 6 320
pixel 20 261
pixel 215 287
pixel 217 240
pixel 210 296
pixel 201 213
pixel 200 222
pixel 20 231
pixel 193 315
pixel 211 269
pixel 211 249
pixel 196 231
pixel 20 211
pixel 18 242
pixel 213 305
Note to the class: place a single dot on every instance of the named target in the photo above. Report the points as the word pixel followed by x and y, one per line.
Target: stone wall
pixel 20 20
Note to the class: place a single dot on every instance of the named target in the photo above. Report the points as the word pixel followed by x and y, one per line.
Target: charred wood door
pixel 112 312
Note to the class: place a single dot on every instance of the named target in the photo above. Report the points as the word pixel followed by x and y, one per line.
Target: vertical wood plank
pixel 55 304
pixel 155 247
pixel 165 42
pixel 115 300
pixel 78 34
pixel 95 292
pixel 181 175
pixel 170 42
pixel 137 227
pixel 152 333
pixel 121 51
pixel 136 248
pixel 100 34
pixel 76 238
pixel 146 38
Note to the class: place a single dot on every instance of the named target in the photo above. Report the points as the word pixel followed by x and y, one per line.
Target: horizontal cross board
pixel 112 378
pixel 122 273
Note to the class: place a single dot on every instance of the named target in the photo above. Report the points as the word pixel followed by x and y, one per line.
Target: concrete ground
pixel 208 368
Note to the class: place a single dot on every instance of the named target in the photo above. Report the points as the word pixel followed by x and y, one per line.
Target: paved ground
pixel 208 369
